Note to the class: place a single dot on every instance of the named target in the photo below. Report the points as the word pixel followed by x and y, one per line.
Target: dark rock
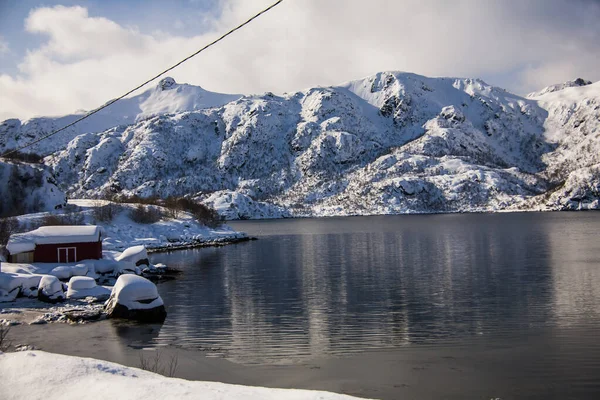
pixel 156 314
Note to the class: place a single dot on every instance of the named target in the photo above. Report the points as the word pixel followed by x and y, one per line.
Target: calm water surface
pixel 330 287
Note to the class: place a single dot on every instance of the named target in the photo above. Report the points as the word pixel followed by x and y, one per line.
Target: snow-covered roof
pixel 23 242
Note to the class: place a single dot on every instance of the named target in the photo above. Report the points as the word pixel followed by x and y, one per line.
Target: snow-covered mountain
pixel 558 87
pixel 165 98
pixel 390 143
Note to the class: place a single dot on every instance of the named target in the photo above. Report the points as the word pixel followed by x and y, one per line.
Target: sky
pixel 59 57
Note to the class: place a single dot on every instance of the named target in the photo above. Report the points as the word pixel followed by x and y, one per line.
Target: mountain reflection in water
pixel 328 287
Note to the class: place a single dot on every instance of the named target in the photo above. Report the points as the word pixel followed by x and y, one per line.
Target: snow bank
pixel 57 377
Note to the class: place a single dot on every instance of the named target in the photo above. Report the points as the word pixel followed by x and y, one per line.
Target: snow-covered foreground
pixel 41 375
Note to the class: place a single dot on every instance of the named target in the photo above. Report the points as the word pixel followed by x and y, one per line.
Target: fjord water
pixel 525 286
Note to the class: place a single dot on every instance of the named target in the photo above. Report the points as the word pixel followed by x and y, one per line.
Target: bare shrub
pixel 158 366
pixel 144 214
pixel 135 199
pixel 4 343
pixel 8 226
pixel 203 214
pixel 74 218
pixel 106 212
pixel 173 207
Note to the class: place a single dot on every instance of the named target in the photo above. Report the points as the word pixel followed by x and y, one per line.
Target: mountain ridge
pixel 393 142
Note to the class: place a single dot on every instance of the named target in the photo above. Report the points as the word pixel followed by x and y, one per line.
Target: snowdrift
pixel 57 377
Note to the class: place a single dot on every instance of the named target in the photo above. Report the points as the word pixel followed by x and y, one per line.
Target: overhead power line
pixel 146 82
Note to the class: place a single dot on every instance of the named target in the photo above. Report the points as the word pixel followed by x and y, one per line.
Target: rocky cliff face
pixel 28 188
pixel 390 143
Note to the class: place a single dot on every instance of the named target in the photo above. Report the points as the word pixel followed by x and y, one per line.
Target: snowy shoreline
pixel 70 377
pixel 120 235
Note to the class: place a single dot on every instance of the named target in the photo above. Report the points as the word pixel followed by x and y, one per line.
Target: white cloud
pixel 88 60
pixel 3 46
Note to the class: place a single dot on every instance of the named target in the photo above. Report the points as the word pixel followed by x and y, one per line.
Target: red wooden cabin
pixel 56 244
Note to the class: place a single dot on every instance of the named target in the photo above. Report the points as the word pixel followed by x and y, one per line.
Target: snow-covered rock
pixel 135 297
pixel 13 284
pixel 137 255
pixel 57 377
pixel 50 289
pixel 105 266
pixel 81 287
pixel 234 205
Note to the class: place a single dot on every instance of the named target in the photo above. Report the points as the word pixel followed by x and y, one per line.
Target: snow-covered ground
pixel 40 375
pixel 122 232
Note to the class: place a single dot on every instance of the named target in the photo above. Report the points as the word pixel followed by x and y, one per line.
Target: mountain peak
pixel 560 86
pixel 166 83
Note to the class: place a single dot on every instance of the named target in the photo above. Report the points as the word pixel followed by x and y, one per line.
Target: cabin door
pixel 67 254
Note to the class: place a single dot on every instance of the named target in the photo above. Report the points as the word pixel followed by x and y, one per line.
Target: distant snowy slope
pixel 573 130
pixel 166 97
pixel 561 86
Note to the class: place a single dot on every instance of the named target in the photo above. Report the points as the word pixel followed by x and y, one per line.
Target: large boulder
pixel 81 287
pixel 50 290
pixel 134 297
pixel 136 255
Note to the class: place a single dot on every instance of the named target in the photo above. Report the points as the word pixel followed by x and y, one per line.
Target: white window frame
pixel 67 254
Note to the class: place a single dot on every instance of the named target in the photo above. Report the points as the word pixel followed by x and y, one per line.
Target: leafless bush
pixel 106 212
pixel 207 216
pixel 74 218
pixel 135 199
pixel 173 207
pixel 4 343
pixel 144 214
pixel 203 214
pixel 158 366
pixel 8 226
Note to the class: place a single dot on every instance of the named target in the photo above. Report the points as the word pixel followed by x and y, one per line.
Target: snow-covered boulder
pixel 50 289
pixel 9 287
pixel 62 272
pixel 135 297
pixel 14 284
pixel 136 255
pixel 105 266
pixel 81 287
